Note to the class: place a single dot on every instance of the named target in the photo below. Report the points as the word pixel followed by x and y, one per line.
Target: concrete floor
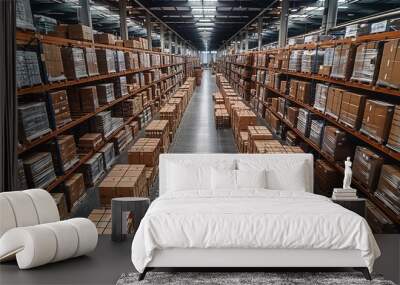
pixel 196 133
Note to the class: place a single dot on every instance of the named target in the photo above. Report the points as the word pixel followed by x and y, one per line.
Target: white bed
pixel 248 227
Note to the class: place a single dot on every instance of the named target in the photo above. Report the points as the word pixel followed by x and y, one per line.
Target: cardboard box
pixel 105 61
pixel 394 135
pixel 74 63
pixel 293 88
pixel 53 62
pixel 75 188
pixel 90 141
pixel 80 32
pixel 377 119
pixel 343 61
pixel 257 133
pixel 159 129
pixel 367 62
pixel 351 109
pixel 336 144
pixel 303 92
pixel 59 102
pixel 292 113
pixel 388 190
pixel 321 94
pixel 326 178
pixel 145 151
pixel 367 167
pixel 334 102
pixel 88 99
pixel 104 38
pixel 91 62
pixel 389 73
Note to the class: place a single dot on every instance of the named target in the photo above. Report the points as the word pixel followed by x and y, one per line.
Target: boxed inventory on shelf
pixel 60 107
pixel 83 101
pixel 23 15
pixel 91 61
pixel 394 135
pixel 108 153
pixel 367 167
pixel 243 140
pixel 105 61
pixel 75 188
pixel 336 144
pixel 388 190
pixel 93 169
pixel 120 87
pixel 343 61
pixel 257 133
pixel 366 62
pixel 122 139
pixel 104 38
pixel 334 102
pixel 64 152
pixel 326 178
pixel 74 63
pixel 389 72
pixel 222 118
pixel 53 63
pixel 120 61
pixel 33 121
pixel 168 112
pixel 321 94
pixel 351 109
pixel 80 32
pixel 105 93
pixel 90 141
pixel 39 170
pixel 316 131
pixel 377 119
pixel 27 69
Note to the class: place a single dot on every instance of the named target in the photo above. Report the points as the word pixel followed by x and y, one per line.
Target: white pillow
pixel 279 180
pixel 251 178
pixel 223 179
pixel 282 174
pixel 184 178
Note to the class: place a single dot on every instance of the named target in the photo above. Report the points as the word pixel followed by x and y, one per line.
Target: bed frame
pixel 242 259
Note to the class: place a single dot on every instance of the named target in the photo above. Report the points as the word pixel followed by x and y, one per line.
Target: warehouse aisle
pixel 197 132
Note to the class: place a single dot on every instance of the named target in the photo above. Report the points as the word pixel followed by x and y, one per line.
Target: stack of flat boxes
pixel 145 151
pixel 388 190
pixel 68 156
pixel 168 112
pixel 105 93
pixel 394 135
pixel 60 106
pixel 105 61
pixel 241 120
pixel 256 133
pixel 74 63
pixel 159 129
pixel 93 169
pixel 53 62
pixel 33 121
pixel 367 167
pixel 84 101
pixel 336 144
pixel 91 61
pixel 222 119
pixel 123 181
pixel 102 219
pixel 268 146
pixel 75 188
pixel 122 139
pixel 39 170
pixel 326 178
pixel 108 153
pixel 27 69
pixel 90 142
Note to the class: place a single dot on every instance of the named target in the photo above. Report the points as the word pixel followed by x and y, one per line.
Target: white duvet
pixel 250 219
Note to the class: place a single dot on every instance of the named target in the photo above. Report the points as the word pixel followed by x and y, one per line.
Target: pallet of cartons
pixel 75 188
pixel 179 107
pixel 268 146
pixel 145 151
pixel 102 220
pixel 168 112
pixel 222 119
pixel 257 133
pixel 243 141
pixel 159 129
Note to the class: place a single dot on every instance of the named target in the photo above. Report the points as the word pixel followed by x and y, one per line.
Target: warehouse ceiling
pixel 208 23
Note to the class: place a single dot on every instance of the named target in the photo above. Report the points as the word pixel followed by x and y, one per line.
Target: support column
pixel 259 32
pixel 84 13
pixel 246 40
pixel 170 41
pixel 162 43
pixel 331 17
pixel 122 20
pixel 149 31
pixel 283 29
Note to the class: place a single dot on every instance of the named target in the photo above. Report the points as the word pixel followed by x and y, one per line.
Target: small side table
pixel 357 205
pixel 121 209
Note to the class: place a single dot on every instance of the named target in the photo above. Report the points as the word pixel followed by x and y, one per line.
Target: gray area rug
pixel 269 278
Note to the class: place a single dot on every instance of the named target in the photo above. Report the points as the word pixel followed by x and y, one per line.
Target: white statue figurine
pixel 347 174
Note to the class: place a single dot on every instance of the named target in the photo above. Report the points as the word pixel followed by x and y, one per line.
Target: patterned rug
pixel 240 278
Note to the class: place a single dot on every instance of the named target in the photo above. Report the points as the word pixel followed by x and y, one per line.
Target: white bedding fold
pixel 250 219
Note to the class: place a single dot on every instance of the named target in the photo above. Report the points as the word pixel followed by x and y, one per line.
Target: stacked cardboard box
pixel 91 61
pixel 59 199
pixel 311 60
pixel 222 118
pixel 64 152
pixel 334 102
pixel 108 153
pixel 102 219
pixel 291 116
pixel 105 61
pixel 326 67
pixel 39 170
pixel 367 167
pixel 86 101
pixel 282 104
pixel 120 87
pixel 275 123
pixel 120 61
pixel 105 93
pixel 295 60
pixel 131 60
pixel 367 60
pixel 122 139
pixel 104 38
pixel 80 32
pixel 33 121
pixel 351 109
pixel 90 142
pixel 325 178
pixel 343 61
pixel 243 142
pixel 59 102
pixel 135 127
pixel 394 135
pixel 316 131
pixel 304 92
pixel 75 188
pixel 321 94
pixel 377 119
pixel 389 73
pixel 159 129
pixel 178 102
pixel 304 121
pixel 336 144
pixel 53 62
pixel 74 63
pixel 27 69
pixel 93 169
pixel 257 133
pixel 388 190
pixel 293 88
pixel 268 146
pixel 123 181
pixel 242 119
pixel 168 112
pixel 145 151
pixel 151 174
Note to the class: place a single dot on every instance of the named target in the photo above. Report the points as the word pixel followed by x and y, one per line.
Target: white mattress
pixel 253 219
